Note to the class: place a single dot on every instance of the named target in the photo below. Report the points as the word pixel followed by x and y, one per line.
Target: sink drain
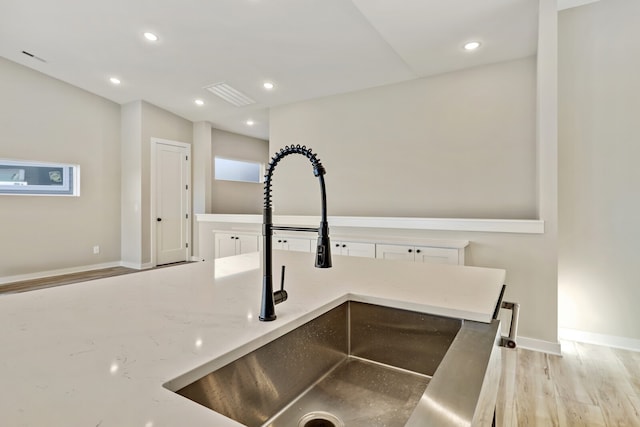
pixel 320 419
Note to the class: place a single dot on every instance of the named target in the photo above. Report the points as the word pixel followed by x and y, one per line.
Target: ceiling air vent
pixel 229 94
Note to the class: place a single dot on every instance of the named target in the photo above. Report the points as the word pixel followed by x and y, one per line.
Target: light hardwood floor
pixel 66 279
pixel 589 385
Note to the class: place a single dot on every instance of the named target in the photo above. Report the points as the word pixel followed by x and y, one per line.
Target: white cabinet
pixel 235 242
pixel 367 250
pixel 395 252
pixel 291 244
pixel 230 244
pixel 437 255
pixel 419 254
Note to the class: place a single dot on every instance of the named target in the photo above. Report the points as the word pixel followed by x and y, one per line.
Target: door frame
pixel 153 188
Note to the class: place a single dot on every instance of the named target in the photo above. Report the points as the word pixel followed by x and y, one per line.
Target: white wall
pixel 142 121
pixel 464 144
pixel 460 145
pixel 131 187
pixel 237 197
pixel 44 119
pixel 201 167
pixel 599 179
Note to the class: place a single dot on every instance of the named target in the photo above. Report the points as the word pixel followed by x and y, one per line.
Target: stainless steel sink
pixel 356 365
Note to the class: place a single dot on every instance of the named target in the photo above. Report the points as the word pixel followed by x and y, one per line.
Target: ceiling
pixel 307 48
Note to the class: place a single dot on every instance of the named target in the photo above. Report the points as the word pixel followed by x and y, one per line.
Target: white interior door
pixel 172 202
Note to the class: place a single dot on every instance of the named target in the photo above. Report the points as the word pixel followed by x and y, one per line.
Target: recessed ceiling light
pixel 115 80
pixel 268 85
pixel 150 36
pixel 199 102
pixel 250 122
pixel 471 45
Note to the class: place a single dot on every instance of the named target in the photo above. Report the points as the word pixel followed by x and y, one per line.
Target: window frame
pixel 70 179
pixel 261 170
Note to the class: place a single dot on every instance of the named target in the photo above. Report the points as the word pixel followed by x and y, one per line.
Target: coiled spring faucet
pixel 323 250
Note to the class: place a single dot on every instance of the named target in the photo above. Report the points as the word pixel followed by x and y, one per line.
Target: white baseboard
pixel 133 265
pixel 58 272
pixel 599 339
pixel 539 345
pixel 136 266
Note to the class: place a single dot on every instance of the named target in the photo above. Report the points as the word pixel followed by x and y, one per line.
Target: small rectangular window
pixel 237 170
pixel 39 178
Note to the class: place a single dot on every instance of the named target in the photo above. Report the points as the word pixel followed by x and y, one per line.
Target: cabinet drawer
pixel 230 244
pixel 425 254
pixel 366 250
pixel 436 255
pixel 295 244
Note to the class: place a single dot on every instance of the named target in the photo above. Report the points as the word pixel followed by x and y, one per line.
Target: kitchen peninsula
pixel 99 353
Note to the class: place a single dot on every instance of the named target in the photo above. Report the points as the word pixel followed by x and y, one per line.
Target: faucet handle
pixel 281 295
pixel 282 279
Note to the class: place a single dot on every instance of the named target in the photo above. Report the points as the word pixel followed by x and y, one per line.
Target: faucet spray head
pixel 323 253
pixel 323 249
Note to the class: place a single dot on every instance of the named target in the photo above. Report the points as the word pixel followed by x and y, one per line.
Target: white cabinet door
pixel 246 243
pixel 299 245
pixel 230 244
pixel 436 255
pixel 367 250
pixel 225 245
pixel 292 244
pixel 418 254
pixel 395 252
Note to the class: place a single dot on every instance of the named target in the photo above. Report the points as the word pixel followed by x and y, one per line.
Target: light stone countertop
pixel 97 354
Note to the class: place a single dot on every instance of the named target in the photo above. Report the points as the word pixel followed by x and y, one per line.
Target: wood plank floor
pixel 66 279
pixel 589 385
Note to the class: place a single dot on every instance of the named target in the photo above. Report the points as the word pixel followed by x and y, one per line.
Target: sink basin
pixel 356 365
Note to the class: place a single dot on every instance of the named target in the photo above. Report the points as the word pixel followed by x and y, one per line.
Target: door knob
pixel 158 219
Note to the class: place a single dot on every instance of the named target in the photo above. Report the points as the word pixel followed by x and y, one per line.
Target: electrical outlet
pixel 96 250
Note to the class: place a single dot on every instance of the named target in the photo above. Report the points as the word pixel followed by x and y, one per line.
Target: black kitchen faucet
pixel 323 251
